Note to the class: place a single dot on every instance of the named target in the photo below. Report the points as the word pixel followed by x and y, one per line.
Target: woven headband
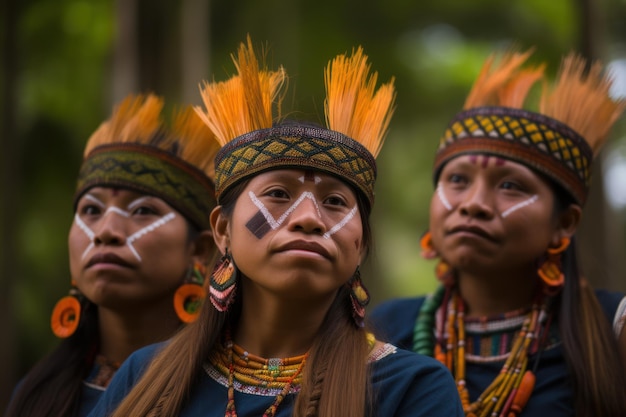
pixel 537 141
pixel 152 171
pixel 295 146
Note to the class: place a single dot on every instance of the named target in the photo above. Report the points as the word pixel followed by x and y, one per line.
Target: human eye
pixel 277 193
pixel 335 200
pixel 457 179
pixel 144 210
pixel 89 209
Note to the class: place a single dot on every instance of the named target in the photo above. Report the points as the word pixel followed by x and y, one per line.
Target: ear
pixel 220 228
pixel 204 248
pixel 568 222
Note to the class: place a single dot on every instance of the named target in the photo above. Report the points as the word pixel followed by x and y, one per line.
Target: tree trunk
pixel 194 48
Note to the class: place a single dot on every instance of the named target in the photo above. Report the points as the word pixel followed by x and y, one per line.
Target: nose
pixel 110 230
pixel 306 217
pixel 478 202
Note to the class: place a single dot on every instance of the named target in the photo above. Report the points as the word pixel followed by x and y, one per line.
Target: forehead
pixel 483 160
pixel 299 177
pixel 117 193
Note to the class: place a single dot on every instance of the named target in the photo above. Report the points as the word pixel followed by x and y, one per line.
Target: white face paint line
pixel 341 224
pixel 518 206
pixel 95 200
pixel 274 224
pixel 144 231
pixel 90 234
pixel 139 201
pixel 442 197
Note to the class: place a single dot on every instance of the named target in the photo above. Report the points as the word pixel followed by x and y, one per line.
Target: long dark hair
pixel 171 376
pixel 53 386
pixel 591 348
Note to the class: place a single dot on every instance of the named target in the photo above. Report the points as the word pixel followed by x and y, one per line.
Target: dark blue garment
pixel 405 385
pixel 394 320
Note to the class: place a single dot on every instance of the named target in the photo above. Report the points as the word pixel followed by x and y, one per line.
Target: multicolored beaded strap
pixel 295 146
pixel 275 373
pixel 150 170
pixel 446 341
pixel 532 139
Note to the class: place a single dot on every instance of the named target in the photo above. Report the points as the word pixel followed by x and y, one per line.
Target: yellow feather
pixel 353 106
pixel 581 99
pixel 244 102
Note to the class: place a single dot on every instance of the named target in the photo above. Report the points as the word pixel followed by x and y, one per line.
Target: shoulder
pixel 409 384
pixel 393 320
pixel 609 301
pixel 125 378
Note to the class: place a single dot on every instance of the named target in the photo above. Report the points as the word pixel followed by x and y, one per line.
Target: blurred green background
pixel 66 62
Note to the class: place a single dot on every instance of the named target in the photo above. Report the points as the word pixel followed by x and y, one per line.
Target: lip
pixel 473 230
pixel 303 245
pixel 107 258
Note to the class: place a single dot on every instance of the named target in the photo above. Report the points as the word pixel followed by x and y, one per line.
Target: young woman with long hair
pixel 514 319
pixel 284 333
pixel 138 247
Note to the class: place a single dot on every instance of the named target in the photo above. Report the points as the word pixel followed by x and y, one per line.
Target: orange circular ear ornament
pixel 550 270
pixel 65 317
pixel 189 296
pixel 188 300
pixel 426 243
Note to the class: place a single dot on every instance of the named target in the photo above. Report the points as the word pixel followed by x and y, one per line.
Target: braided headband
pixel 295 146
pixel 537 141
pixel 152 171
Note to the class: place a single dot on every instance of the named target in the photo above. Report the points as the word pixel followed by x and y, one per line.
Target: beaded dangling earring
pixel 189 296
pixel 359 296
pixel 443 272
pixel 223 283
pixel 66 314
pixel 550 270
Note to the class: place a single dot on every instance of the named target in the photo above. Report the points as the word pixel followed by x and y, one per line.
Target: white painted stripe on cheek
pixel 88 232
pixel 442 197
pixel 341 224
pixel 518 206
pixel 150 228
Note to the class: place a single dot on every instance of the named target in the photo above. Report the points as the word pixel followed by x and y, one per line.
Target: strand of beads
pixel 253 370
pixel 510 390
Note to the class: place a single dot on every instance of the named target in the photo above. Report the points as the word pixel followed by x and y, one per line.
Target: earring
pixel 359 296
pixel 189 296
pixel 223 283
pixel 443 272
pixel 426 243
pixel 550 270
pixel 66 314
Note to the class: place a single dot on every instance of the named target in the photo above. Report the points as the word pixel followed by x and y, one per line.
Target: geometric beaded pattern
pixel 152 171
pixel 294 146
pixel 531 138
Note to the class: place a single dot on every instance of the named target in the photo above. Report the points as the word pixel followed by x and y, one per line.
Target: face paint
pixel 442 197
pixel 124 213
pixel 310 176
pixel 520 205
pixel 263 221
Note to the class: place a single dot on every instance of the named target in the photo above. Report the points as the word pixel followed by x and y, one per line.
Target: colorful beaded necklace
pixel 278 373
pixel 508 393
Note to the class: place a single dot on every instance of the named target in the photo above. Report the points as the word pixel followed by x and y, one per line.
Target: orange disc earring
pixel 443 272
pixel 550 270
pixel 189 296
pixel 426 243
pixel 66 314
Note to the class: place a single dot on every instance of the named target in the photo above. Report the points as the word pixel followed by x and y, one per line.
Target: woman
pixel 514 320
pixel 284 334
pixel 138 248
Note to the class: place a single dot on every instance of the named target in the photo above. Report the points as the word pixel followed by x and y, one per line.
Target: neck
pixel 496 293
pixel 272 327
pixel 123 333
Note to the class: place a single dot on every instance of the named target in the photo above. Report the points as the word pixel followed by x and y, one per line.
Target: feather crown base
pixel 535 140
pixel 295 146
pixel 150 170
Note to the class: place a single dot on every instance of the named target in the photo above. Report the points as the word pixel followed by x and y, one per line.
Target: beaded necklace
pixel 104 370
pixel 509 392
pixel 232 360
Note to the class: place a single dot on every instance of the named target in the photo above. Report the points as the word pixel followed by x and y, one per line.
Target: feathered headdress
pixel 575 116
pixel 239 112
pixel 135 150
